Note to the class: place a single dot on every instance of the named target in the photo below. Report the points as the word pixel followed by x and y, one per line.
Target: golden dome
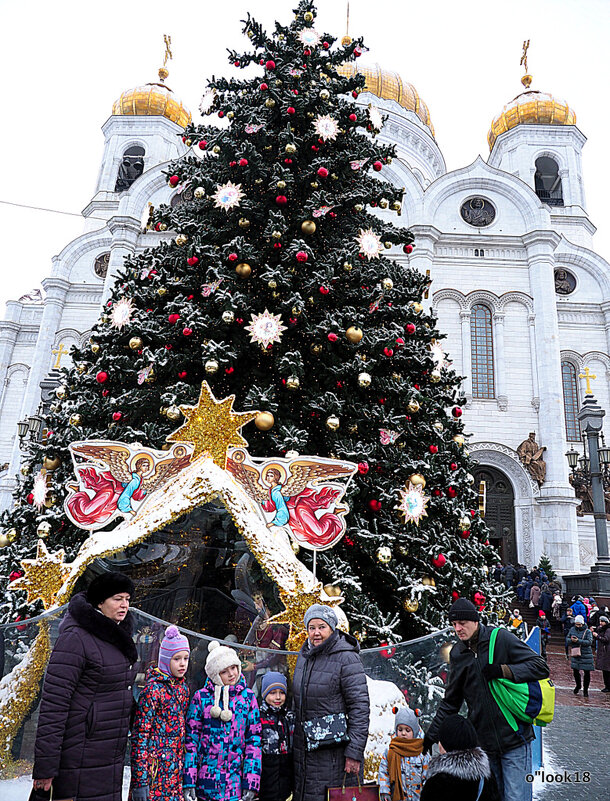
pixel 390 86
pixel 152 100
pixel 531 108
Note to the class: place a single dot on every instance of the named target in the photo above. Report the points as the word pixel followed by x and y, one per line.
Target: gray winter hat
pixel 407 717
pixel 321 612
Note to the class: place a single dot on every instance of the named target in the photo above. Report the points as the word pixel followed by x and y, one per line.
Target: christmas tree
pixel 283 280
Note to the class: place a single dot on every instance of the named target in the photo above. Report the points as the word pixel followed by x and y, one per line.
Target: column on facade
pixel 531 322
pixel 9 329
pixel 557 501
pixel 466 354
pixel 501 394
pixel 125 232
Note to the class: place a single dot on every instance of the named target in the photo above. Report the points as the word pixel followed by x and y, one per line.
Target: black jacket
pixel 330 678
pixel 456 775
pixel 466 683
pixel 86 705
pixel 277 734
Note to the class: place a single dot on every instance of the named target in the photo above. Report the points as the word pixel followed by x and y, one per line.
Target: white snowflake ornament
pixel 266 328
pixel 369 243
pixel 309 37
pixel 375 117
pixel 413 503
pixel 228 196
pixel 326 127
pixel 40 490
pixel 121 313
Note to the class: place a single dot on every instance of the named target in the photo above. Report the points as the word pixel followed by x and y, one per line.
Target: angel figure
pixel 311 514
pixel 113 477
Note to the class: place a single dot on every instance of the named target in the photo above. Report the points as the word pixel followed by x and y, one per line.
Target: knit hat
pixel 463 609
pixel 604 619
pixel 541 613
pixel 321 612
pixel 457 733
pixel 579 619
pixel 405 716
pixel 219 658
pixel 107 585
pixel 171 644
pixel 273 681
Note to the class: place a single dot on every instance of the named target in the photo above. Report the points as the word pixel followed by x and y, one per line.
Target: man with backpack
pixel 507 746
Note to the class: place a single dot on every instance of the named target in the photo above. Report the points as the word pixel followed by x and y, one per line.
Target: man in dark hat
pixel 509 751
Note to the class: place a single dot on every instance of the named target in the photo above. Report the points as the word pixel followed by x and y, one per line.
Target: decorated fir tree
pixel 283 280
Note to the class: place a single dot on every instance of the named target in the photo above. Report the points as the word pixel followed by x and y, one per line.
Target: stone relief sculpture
pixel 531 457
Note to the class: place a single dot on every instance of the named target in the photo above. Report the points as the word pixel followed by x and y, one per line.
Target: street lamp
pixel 30 426
pixel 572 457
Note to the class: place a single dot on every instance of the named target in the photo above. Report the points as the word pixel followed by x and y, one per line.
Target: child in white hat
pixel 223 734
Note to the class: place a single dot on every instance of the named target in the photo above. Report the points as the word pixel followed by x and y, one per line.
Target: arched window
pixel 570 401
pixel 100 266
pixel 130 168
pixel 547 182
pixel 481 343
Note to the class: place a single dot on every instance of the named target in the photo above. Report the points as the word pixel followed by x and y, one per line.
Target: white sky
pixel 65 62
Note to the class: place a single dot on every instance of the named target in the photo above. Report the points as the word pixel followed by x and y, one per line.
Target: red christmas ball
pixel 232 164
pixel 202 145
pixel 243 162
pixel 15 574
pixel 182 375
pixel 455 595
pixel 287 161
pixel 440 560
pixel 357 52
pixel 324 290
pixel 438 493
pixel 486 542
pixel 264 87
pixel 453 466
pixel 173 318
pixel 221 114
pixel 174 180
pixel 281 200
pixel 232 256
pixel 307 52
pixel 18 618
pixel 377 165
pixel 30 498
pixel 229 370
pixel 354 93
pixel 456 412
pixel 270 65
pixel 277 245
pixel 451 492
pixel 106 392
pixel 192 261
pixel 465 534
pixel 116 416
pixel 325 45
pixel 388 352
pixel 410 328
pixel 302 256
pixel 363 468
pixel 400 341
pixel 236 63
pixel 186 331
pixel 387 651
pixel 157 226
pixel 332 337
pixel 322 172
pixel 375 505
pixel 408 248
pixel 101 377
pixel 433 449
pixel 291 110
pixel 352 118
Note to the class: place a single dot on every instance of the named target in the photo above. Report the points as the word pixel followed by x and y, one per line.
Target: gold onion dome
pixel 390 86
pixel 530 108
pixel 152 100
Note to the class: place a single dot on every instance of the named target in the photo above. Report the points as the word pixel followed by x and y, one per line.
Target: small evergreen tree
pixel 544 563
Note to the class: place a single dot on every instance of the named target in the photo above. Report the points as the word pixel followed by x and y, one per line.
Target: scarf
pixel 398 750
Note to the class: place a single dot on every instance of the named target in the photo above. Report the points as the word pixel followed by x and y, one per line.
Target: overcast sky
pixel 65 62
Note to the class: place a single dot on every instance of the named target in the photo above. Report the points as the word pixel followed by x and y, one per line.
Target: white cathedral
pixel 517 286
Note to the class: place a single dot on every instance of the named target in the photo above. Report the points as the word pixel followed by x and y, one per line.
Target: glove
pixel 249 795
pixel 139 793
pixel 492 672
pixel 189 794
pixel 428 743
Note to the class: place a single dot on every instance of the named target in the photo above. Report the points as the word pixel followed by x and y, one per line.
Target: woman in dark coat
pixel 329 680
pixel 87 696
pixel 602 656
pixel 580 636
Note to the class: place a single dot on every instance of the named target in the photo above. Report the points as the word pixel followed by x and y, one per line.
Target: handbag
pixel 575 650
pixel 370 792
pixel 325 731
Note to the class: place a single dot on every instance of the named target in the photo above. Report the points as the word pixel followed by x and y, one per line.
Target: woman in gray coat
pixel 580 636
pixel 332 708
pixel 602 638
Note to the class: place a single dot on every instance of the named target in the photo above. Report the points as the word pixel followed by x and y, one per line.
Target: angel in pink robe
pixel 86 510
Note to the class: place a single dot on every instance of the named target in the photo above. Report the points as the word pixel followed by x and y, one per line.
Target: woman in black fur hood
pixel 461 771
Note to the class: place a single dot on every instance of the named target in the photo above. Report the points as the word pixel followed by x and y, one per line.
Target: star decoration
pixel 296 604
pixel 212 426
pixel 326 127
pixel 266 328
pixel 438 355
pixel 121 313
pixel 413 503
pixel 40 489
pixel 228 196
pixel 369 243
pixel 376 118
pixel 44 576
pixel 309 37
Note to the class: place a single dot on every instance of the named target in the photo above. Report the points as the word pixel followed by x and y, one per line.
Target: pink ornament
pixel 232 256
pixel 332 337
pixel 302 256
pixel 187 331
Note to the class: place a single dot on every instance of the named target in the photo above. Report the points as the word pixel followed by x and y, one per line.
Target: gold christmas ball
pixel 387 245
pixel 332 590
pixel 181 240
pixel 12 534
pixel 264 421
pixel 44 529
pixel 243 270
pixel 438 426
pixel 396 205
pixel 230 115
pixel 211 366
pixel 428 581
pixel 384 555
pixel 228 316
pixel 135 343
pixel 316 349
pixel 281 184
pixel 384 203
pixel 216 149
pixel 388 160
pixel 272 284
pixel 417 308
pixel 435 376
pixel 279 82
pixel 162 291
pixel 25 470
pixel 347 266
pixel 459 440
pixel 417 480
pixel 188 142
pixel 333 422
pixel 290 148
pixel 81 368
pixel 61 392
pixel 308 16
pixel 387 284
pixel 75 419
pixel 308 227
pixel 95 348
pixel 51 463
pixel 51 499
pixel 413 406
pixel 270 102
pixel 3 541
pixel 292 382
pixel 358 207
pixel 151 377
pixel 364 380
pixel 162 226
pixel 325 94
pixel 199 192
pixel 244 222
pixel 410 605
pixel 173 413
pixel 354 334
pixel 464 523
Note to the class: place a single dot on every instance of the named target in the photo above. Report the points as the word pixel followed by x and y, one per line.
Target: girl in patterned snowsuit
pixel 157 747
pixel 223 734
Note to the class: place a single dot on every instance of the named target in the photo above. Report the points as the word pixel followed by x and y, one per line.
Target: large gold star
pixel 212 426
pixel 296 604
pixel 44 576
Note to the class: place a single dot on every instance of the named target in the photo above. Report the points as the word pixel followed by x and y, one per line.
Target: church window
pixel 100 266
pixel 481 339
pixel 547 182
pixel 570 401
pixel 130 169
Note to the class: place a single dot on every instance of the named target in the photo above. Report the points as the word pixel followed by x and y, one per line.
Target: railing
pixel 552 198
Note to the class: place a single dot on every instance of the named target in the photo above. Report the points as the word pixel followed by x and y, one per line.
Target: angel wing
pixel 249 478
pixel 165 470
pixel 116 457
pixel 304 472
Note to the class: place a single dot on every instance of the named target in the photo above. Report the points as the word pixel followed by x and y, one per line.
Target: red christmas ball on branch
pixel 451 492
pixel 410 328
pixel 325 45
pixel 375 505
pixel 457 412
pixel 400 341
pixel 388 352
pixel 455 595
pixel 377 166
pixel 352 118
pixel 30 498
pixel 453 466
pixel 281 200
pixel 433 449
pixel 264 87
pixel 202 145
pixel 465 534
pixel 408 248
pixel 270 65
pixel 192 261
pixel 291 110
pixel 439 560
pixel 173 318
pixel 387 651
pixel 101 377
pixel 302 256
pixel 363 468
pixel 322 172
pixel 116 416
pixel 232 256
pixel 324 290
pixel 182 375
pixel 174 180
pixel 332 337
pixel 186 331
pixel 15 574
pixel 243 162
